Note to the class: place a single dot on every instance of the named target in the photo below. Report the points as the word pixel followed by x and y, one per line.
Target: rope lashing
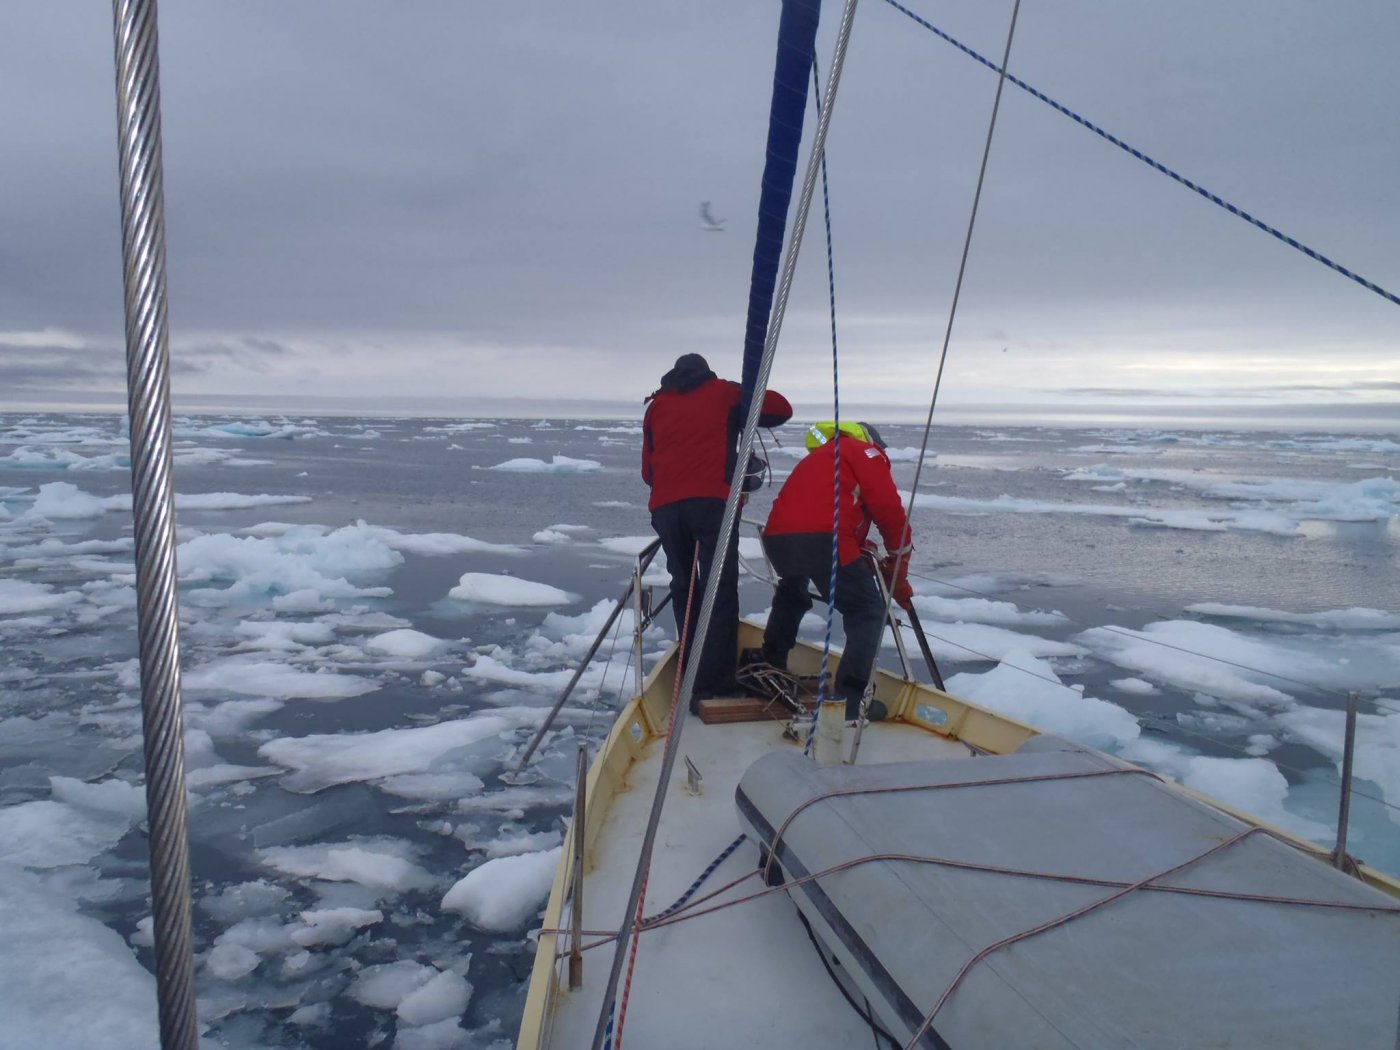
pixel 1062 920
pixel 1151 162
pixel 685 914
pixel 900 788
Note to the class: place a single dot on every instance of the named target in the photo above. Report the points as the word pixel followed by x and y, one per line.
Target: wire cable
pixel 1156 165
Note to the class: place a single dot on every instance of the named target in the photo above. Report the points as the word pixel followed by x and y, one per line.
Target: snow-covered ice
pixel 555 465
pixel 320 760
pixel 502 893
pixel 492 589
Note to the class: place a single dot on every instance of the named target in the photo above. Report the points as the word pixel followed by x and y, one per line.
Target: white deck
pixel 743 976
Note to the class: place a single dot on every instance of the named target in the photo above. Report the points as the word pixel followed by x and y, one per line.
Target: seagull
pixel 708 221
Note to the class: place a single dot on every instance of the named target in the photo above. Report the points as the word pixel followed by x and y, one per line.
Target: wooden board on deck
pixel 721 709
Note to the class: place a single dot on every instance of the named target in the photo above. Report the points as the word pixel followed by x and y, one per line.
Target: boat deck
pixel 746 975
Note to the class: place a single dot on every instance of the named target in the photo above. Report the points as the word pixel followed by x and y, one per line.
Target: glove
pixel 895 570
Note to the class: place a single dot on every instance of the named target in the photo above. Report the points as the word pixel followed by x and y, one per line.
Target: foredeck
pixel 744 975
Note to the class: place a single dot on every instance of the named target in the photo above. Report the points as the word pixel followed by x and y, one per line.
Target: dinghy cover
pixel 1146 969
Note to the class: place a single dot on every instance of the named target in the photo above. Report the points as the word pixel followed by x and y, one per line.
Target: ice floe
pixel 983 610
pixel 328 926
pixel 493 589
pixel 49 834
pixel 1341 619
pixel 378 864
pixel 961 642
pixel 1273 522
pixel 320 760
pixel 503 893
pixel 556 465
pixel 237 674
pixel 21 596
pixel 1028 690
pixel 66 979
pixel 406 643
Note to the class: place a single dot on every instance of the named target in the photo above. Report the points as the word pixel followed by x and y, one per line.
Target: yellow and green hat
pixel 818 434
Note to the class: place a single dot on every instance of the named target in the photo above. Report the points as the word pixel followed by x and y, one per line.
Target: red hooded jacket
pixel 688 439
pixel 868 494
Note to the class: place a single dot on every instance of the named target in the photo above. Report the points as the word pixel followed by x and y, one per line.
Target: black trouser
pixel 681 525
pixel 801 557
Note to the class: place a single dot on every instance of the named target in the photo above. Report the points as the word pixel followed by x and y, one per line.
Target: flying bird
pixel 708 221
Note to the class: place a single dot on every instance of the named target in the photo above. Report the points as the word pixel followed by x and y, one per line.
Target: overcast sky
pixel 420 203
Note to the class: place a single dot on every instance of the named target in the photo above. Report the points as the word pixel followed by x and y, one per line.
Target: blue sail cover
pixel 797 34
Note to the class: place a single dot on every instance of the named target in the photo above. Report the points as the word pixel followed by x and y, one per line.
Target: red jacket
pixel 688 439
pixel 868 494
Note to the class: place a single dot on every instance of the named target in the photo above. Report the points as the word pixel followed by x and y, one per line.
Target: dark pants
pixel 803 558
pixel 681 525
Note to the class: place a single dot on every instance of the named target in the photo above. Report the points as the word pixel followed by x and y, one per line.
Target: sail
pixel 797 33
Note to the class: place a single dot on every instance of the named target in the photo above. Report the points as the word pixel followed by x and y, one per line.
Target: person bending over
pixel 797 540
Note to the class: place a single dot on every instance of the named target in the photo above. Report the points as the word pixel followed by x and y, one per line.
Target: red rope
pixel 670 736
pixel 1024 934
pixel 847 792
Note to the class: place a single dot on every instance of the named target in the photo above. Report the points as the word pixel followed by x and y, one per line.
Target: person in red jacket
pixel 689 441
pixel 798 541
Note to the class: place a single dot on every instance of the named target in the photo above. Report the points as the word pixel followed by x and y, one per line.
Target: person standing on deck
pixel 689 447
pixel 798 541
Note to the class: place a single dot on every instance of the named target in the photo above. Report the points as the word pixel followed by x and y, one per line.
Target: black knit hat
pixel 690 371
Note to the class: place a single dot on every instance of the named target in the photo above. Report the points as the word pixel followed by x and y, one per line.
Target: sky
pixel 429 206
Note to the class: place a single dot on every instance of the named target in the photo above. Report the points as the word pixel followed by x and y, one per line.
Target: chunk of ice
pixel 267 679
pixel 229 961
pixel 321 760
pixel 444 996
pixel 330 926
pixel 384 986
pixel 492 589
pixel 21 596
pixel 556 465
pixel 67 980
pixel 48 834
pixel 1028 689
pixel 502 894
pixel 380 864
pixel 444 1035
pixel 406 643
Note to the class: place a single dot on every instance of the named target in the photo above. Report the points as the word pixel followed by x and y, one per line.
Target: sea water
pixel 377 613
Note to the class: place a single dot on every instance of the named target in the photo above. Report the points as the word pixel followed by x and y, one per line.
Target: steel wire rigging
pixel 1151 162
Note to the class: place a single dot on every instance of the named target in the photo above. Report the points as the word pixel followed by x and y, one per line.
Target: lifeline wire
pixel 1176 728
pixel 1151 162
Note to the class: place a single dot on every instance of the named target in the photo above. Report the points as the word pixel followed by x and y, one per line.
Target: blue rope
pixel 1151 162
pixel 836 437
pixel 684 897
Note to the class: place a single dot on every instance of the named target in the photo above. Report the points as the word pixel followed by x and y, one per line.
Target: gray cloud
pixel 442 188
